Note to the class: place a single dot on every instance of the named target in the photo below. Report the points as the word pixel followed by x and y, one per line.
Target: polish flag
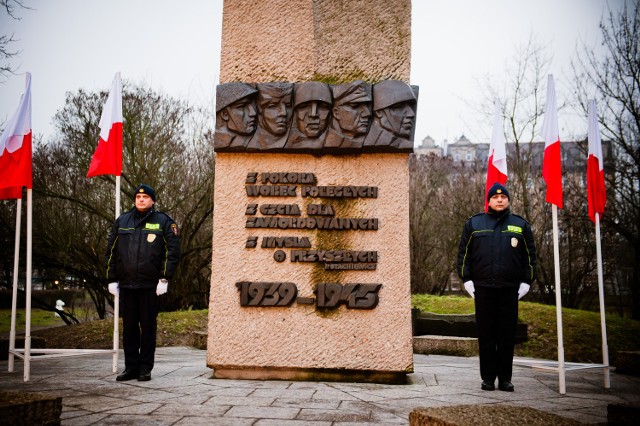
pixel 497 167
pixel 15 150
pixel 596 191
pixel 107 159
pixel 552 160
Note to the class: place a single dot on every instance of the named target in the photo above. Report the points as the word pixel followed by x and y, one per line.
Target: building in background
pixel 574 154
pixel 429 147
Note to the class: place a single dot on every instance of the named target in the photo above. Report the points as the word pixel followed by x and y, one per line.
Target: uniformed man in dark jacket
pixel 142 254
pixel 497 263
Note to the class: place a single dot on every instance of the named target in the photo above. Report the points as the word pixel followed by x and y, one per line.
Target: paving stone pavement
pixel 182 392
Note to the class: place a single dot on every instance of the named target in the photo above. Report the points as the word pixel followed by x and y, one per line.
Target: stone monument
pixel 314 123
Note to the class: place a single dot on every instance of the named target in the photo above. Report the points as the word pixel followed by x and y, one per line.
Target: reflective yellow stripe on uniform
pixel 111 256
pixel 166 255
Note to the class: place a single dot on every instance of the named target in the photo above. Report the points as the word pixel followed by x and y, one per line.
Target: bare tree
pixel 438 209
pixel 165 145
pixel 6 52
pixel 613 79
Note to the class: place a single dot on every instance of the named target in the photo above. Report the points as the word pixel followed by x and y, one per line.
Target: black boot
pixel 127 375
pixel 505 385
pixel 488 385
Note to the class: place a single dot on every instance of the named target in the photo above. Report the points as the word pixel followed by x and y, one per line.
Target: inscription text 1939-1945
pixel 328 295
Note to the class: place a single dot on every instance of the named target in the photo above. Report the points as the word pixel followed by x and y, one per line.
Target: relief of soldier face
pixel 312 118
pixel 274 115
pixel 398 119
pixel 353 118
pixel 241 116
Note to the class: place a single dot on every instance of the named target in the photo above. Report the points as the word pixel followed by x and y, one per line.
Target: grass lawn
pixel 582 342
pixel 581 329
pixel 39 318
pixel 174 329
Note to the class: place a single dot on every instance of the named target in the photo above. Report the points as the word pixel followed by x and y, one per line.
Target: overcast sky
pixel 175 48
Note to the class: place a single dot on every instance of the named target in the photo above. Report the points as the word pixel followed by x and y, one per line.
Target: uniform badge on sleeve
pixel 514 242
pixel 174 228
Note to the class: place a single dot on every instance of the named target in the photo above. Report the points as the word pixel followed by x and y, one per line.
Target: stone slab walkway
pixel 182 392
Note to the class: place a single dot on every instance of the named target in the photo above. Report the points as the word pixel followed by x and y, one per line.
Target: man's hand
pixel 524 289
pixel 114 289
pixel 162 287
pixel 470 288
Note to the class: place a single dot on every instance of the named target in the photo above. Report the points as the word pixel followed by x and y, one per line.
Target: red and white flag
pixel 596 191
pixel 497 167
pixel 16 168
pixel 552 160
pixel 107 159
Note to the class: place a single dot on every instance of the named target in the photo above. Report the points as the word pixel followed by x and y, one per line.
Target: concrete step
pixel 445 345
pixel 486 415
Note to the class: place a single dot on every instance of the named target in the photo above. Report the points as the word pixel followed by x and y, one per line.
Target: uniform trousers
pixel 139 310
pixel 496 321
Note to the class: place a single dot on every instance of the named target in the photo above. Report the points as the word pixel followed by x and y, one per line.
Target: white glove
pixel 470 288
pixel 161 289
pixel 114 289
pixel 524 289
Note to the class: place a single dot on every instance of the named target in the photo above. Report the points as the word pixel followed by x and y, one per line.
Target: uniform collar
pixel 499 215
pixel 141 215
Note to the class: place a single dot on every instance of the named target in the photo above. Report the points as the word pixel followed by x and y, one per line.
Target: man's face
pixel 311 118
pixel 274 115
pixel 241 117
pixel 143 202
pixel 353 118
pixel 398 119
pixel 499 202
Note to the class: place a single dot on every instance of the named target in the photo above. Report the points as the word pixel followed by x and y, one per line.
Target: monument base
pixel 309 374
pixel 249 335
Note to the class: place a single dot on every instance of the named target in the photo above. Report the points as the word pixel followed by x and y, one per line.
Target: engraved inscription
pixel 335 223
pixel 271 190
pixel 288 177
pixel 280 209
pixel 251 209
pixel 286 242
pixel 347 256
pixel 280 256
pixel 252 242
pixel 320 210
pixel 339 191
pixel 251 177
pixel 266 293
pixel 354 296
pixel 329 295
pixel 319 216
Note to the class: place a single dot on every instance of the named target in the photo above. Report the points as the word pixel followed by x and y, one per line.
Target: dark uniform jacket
pixel 497 250
pixel 142 248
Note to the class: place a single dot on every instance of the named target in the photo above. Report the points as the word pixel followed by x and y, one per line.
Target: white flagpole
pixel 117 196
pixel 556 263
pixel 14 297
pixel 27 330
pixel 603 321
pixel 116 299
